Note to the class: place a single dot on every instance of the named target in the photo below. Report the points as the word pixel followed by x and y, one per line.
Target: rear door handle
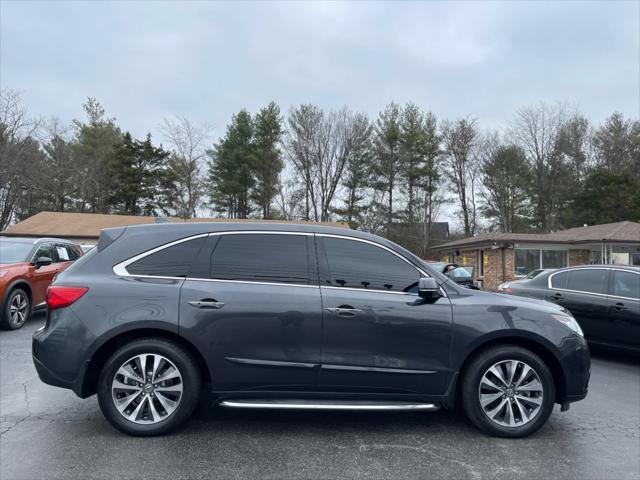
pixel 346 311
pixel 619 306
pixel 210 304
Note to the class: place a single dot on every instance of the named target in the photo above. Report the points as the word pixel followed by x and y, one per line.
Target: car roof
pixel 32 240
pixel 582 267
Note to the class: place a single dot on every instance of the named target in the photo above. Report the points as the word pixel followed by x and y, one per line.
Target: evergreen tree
pixel 267 163
pixel 136 170
pixel 232 163
pixel 386 165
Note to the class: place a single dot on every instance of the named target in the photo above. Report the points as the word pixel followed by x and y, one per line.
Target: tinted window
pixel 588 280
pixel 626 284
pixel 261 258
pixel 361 265
pixel 174 261
pixel 559 280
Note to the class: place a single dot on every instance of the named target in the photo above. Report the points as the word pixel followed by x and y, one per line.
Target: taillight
pixel 507 290
pixel 59 296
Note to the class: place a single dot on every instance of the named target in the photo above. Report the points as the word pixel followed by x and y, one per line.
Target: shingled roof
pixel 619 232
pixel 88 225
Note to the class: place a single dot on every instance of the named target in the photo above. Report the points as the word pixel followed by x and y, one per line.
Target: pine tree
pixel 267 163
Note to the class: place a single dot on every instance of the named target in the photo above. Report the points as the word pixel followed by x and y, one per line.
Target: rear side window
pixel 174 261
pixel 559 280
pixel 354 264
pixel 261 258
pixel 625 284
pixel 588 280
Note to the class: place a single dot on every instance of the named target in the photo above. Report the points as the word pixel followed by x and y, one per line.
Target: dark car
pixel 296 316
pixel 604 299
pixel 27 267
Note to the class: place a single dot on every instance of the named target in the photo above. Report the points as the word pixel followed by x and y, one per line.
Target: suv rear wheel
pixel 17 310
pixel 508 391
pixel 149 387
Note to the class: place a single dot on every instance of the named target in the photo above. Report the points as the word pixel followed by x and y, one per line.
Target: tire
pixel 159 406
pixel 516 412
pixel 17 310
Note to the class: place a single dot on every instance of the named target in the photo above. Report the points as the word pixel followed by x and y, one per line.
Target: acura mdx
pixel 268 315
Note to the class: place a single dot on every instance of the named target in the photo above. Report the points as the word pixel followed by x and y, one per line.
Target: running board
pixel 328 405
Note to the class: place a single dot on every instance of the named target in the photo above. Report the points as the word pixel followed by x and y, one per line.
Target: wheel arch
pixel 534 345
pixel 20 283
pixel 89 381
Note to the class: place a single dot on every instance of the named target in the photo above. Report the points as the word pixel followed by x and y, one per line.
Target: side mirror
pixel 42 262
pixel 428 288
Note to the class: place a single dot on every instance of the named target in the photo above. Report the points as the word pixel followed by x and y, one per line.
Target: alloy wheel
pixel 511 393
pixel 18 309
pixel 147 388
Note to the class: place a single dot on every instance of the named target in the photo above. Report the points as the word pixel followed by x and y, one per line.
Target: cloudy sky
pixel 147 60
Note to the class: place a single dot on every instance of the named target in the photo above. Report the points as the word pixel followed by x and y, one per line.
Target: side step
pixel 328 404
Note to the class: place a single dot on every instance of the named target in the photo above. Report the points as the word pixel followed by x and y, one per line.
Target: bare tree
pixel 184 180
pixel 537 130
pixel 460 139
pixel 18 152
pixel 319 146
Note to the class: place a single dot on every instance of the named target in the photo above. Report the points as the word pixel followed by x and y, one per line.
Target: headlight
pixel 3 273
pixel 569 322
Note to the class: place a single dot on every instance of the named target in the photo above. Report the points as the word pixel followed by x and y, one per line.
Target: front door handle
pixel 210 304
pixel 556 296
pixel 619 306
pixel 344 310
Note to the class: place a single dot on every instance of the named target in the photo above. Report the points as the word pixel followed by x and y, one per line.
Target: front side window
pixel 46 250
pixel 588 280
pixel 626 284
pixel 173 261
pixel 354 264
pixel 273 258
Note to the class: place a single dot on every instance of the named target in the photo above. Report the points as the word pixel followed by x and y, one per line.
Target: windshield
pixel 533 274
pixel 14 252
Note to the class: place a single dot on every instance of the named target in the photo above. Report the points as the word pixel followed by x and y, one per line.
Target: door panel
pixel 255 311
pixel 263 337
pixel 583 292
pixel 623 313
pixel 42 277
pixel 394 343
pixel 378 335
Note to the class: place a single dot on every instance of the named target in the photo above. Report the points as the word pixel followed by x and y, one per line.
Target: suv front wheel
pixel 149 387
pixel 17 310
pixel 508 391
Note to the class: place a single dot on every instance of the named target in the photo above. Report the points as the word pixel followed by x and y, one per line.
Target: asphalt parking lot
pixel 46 432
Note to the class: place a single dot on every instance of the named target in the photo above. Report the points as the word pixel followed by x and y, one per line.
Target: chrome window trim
pixel 256 282
pixel 582 292
pixel 120 269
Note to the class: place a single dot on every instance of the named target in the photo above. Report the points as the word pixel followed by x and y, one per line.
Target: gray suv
pixel 297 316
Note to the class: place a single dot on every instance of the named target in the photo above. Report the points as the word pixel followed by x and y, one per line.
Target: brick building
pixel 501 257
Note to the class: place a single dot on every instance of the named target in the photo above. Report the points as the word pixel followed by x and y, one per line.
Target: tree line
pixel 550 168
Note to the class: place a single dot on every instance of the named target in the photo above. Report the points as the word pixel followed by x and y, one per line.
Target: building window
pixel 554 258
pixel 528 259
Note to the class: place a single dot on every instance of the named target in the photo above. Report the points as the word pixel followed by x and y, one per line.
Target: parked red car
pixel 27 267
